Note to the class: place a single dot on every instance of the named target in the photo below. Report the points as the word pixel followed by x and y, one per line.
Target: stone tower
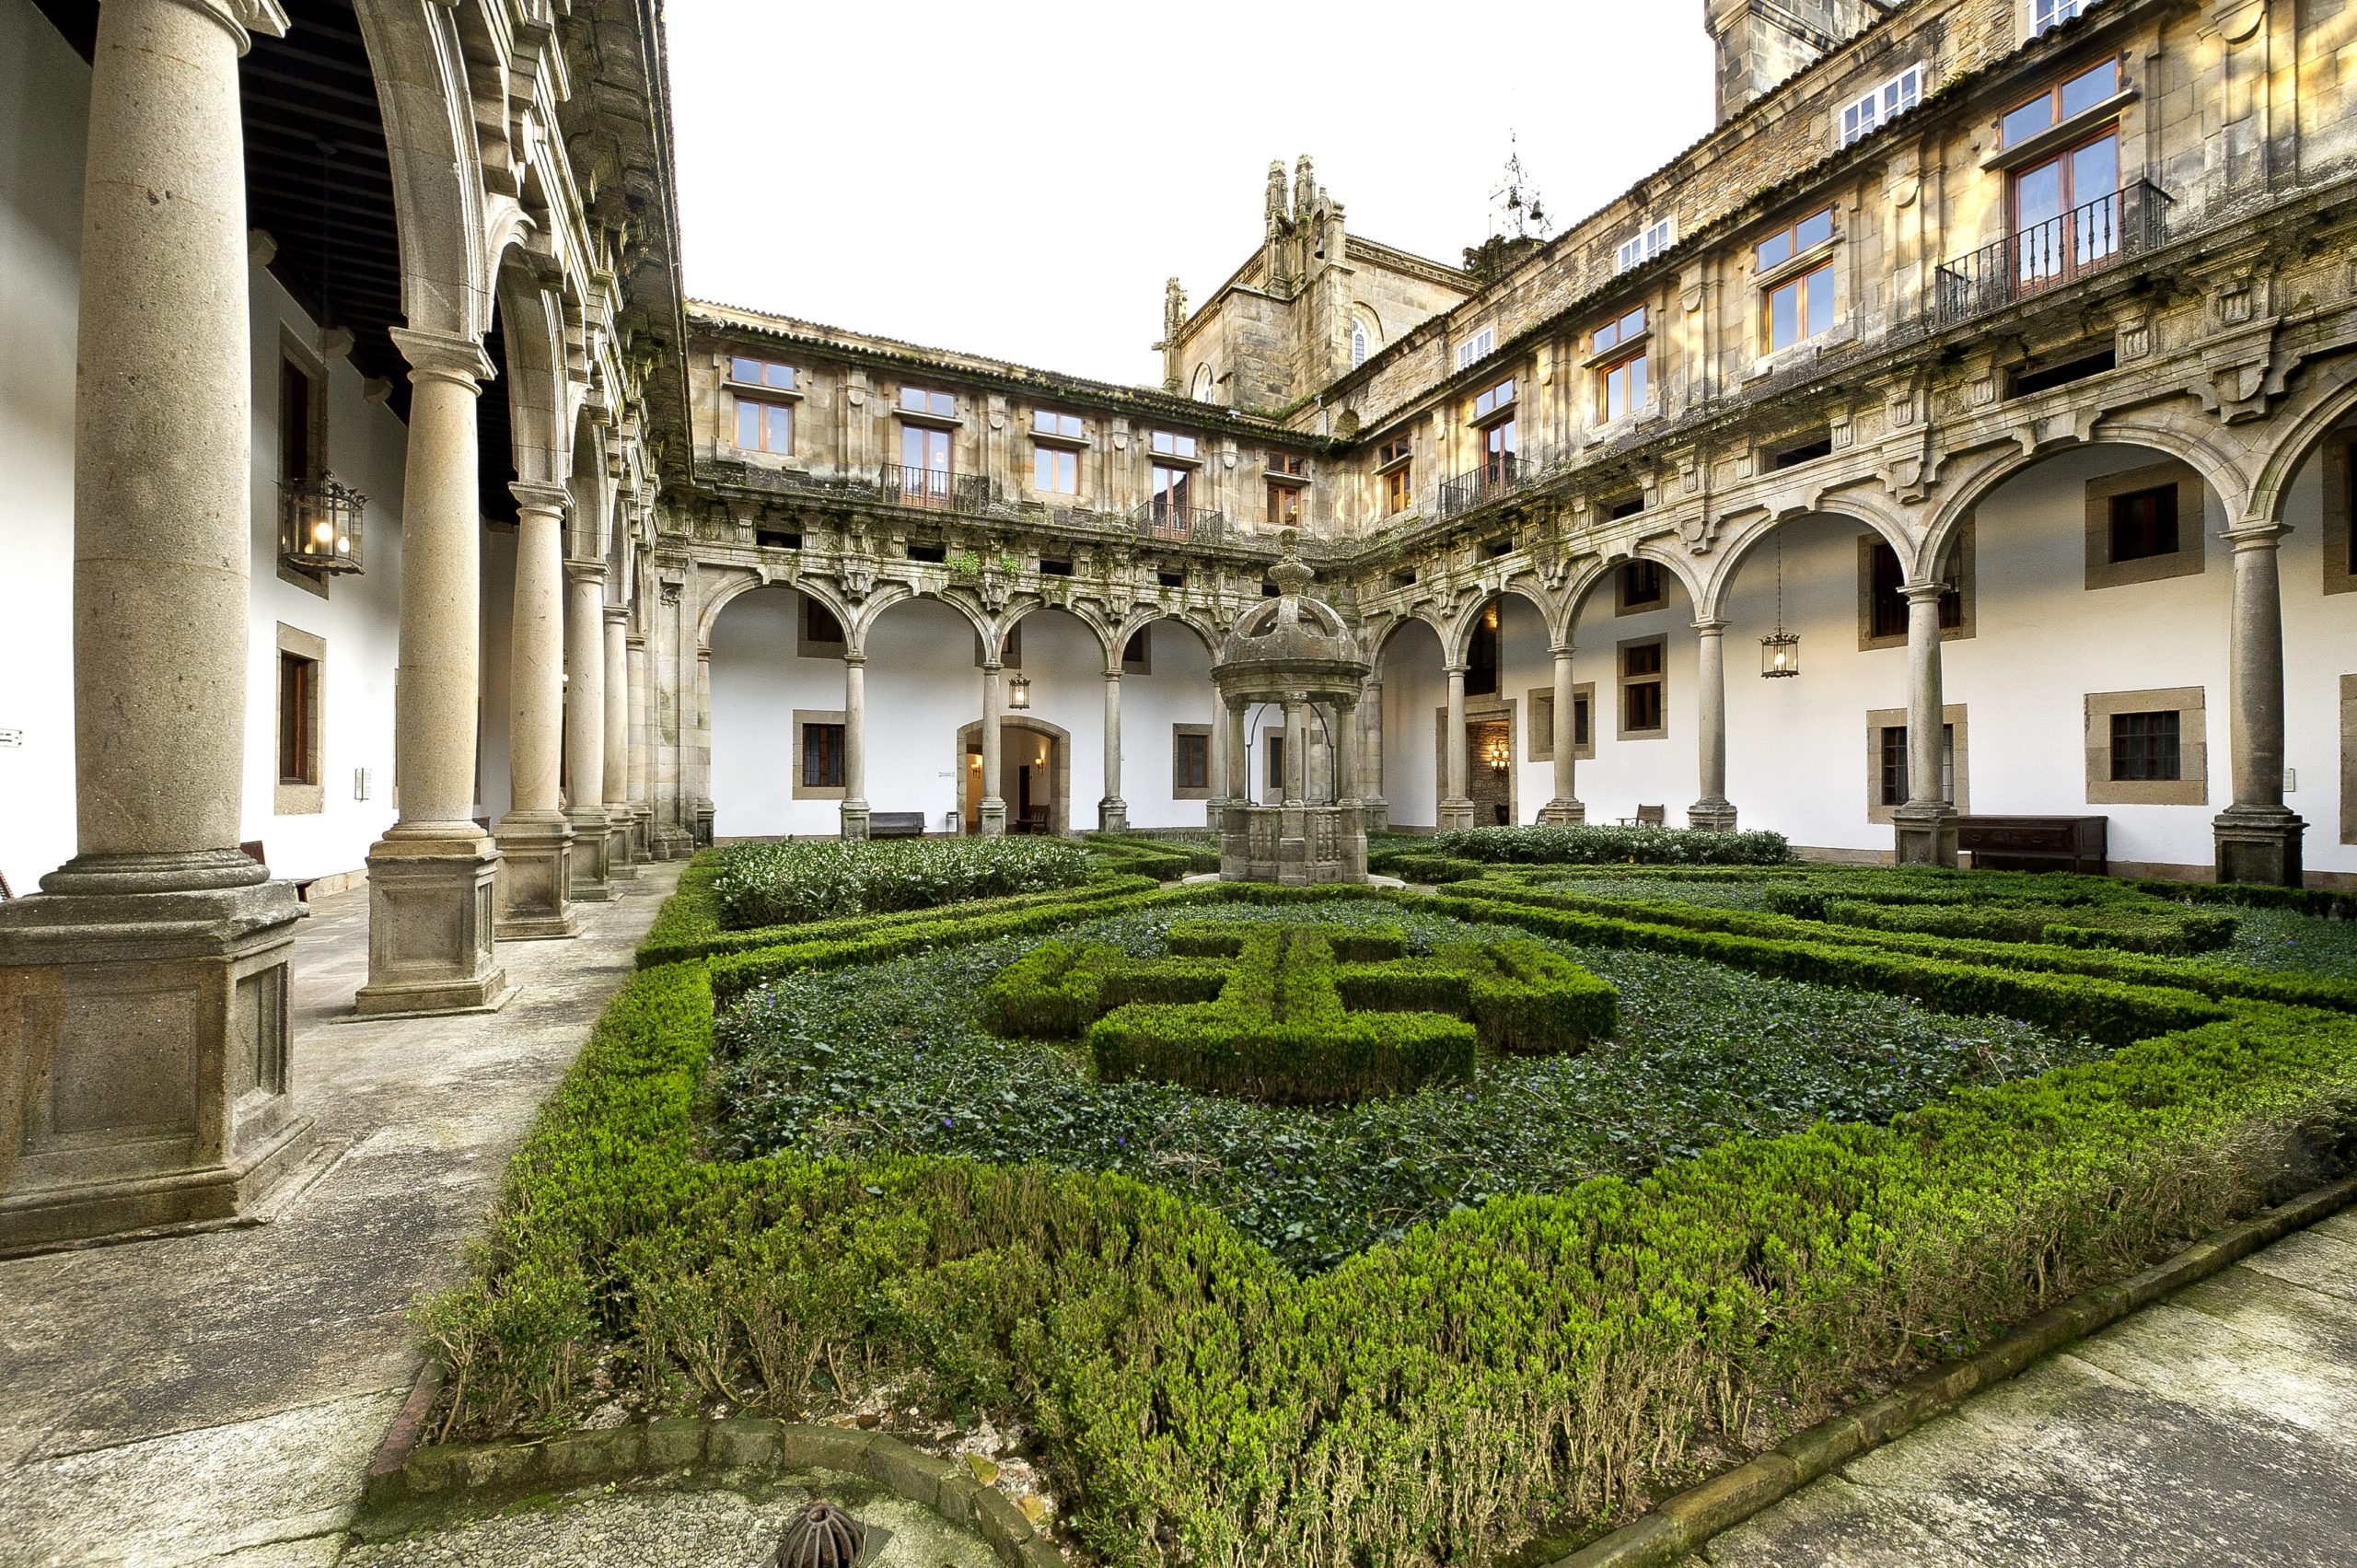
pixel 1761 43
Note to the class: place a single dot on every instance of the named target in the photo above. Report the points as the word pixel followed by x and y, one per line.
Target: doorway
pixel 1035 776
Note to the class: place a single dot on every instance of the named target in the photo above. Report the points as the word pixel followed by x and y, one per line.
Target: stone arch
pixel 1123 631
pixel 531 317
pixel 1998 465
pixel 1456 641
pixel 426 103
pixel 729 583
pixel 1737 547
pixel 1574 599
pixel 2320 406
pixel 1060 765
pixel 1106 645
pixel 1419 616
pixel 872 608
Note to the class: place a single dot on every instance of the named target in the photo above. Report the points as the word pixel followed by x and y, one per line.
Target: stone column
pixel 1379 810
pixel 854 808
pixel 1456 806
pixel 699 752
pixel 622 861
pixel 143 1027
pixel 642 746
pixel 993 807
pixel 1112 811
pixel 1713 812
pixel 1924 828
pixel 1347 784
pixel 669 699
pixel 535 839
pixel 1296 749
pixel 2257 838
pixel 585 726
pixel 1215 770
pixel 1565 807
pixel 432 877
pixel 1239 762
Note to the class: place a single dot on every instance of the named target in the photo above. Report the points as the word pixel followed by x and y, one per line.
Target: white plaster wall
pixel 1628 774
pixel 359 619
pixel 497 621
pixel 1414 685
pixel 757 684
pixel 1177 689
pixel 44 105
pixel 2320 646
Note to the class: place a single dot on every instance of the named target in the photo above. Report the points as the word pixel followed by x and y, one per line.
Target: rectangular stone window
pixel 1273 747
pixel 928 404
pixel 2144 525
pixel 1055 471
pixel 764 426
pixel 1637 588
pixel 1800 309
pixel 819 634
pixel 302 439
pixel 1190 761
pixel 2339 507
pixel 1644 688
pixel 818 754
pixel 1881 608
pixel 302 708
pixel 1284 506
pixel 1887 781
pixel 1539 744
pixel 1137 654
pixel 2147 747
pixel 746 371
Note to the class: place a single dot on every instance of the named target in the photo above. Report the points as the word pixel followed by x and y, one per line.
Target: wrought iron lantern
pixel 1780 650
pixel 319 525
pixel 1498 753
pixel 1018 694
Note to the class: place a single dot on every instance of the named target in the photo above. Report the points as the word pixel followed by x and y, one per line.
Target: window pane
pixel 1783 315
pixel 2025 122
pixel 1820 300
pixel 913 398
pixel 1633 322
pixel 781 432
pixel 1186 445
pixel 1637 382
pixel 777 375
pixel 1043 469
pixel 1615 392
pixel 1816 230
pixel 1607 337
pixel 2094 172
pixel 1775 251
pixel 745 370
pixel 748 426
pixel 1043 421
pixel 944 404
pixel 1068 472
pixel 2084 91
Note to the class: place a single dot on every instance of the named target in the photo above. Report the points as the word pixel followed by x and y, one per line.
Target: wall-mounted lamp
pixel 1499 753
pixel 1018 692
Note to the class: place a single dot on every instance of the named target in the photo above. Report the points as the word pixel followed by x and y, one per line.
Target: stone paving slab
pixel 2214 1430
pixel 133 1378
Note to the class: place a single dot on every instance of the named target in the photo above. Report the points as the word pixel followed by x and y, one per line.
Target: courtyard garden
pixel 1441 1224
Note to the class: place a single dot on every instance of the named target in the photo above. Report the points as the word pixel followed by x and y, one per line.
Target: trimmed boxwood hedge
pixel 1581 844
pixel 781 883
pixel 1532 1361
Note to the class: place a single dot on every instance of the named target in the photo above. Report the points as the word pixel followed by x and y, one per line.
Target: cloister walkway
pixel 216 1398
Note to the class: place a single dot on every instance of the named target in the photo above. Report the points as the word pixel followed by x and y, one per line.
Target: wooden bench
pixel 1648 817
pixel 896 824
pixel 2036 843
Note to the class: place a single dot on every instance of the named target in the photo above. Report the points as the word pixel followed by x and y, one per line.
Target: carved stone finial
pixel 1291 574
pixel 1304 188
pixel 1276 203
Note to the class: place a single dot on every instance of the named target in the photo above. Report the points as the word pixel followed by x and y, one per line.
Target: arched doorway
pixel 1034 775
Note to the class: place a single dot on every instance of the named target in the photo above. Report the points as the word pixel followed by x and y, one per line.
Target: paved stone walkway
pixel 216 1398
pixel 2217 1429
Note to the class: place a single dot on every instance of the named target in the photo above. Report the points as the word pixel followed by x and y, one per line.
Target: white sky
pixel 1018 180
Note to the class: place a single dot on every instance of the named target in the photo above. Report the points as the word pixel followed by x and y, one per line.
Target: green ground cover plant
pixel 1584 844
pixel 778 884
pixel 1513 1367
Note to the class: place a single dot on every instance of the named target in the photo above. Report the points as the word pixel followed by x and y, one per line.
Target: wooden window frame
pixel 2191 557
pixel 1399 490
pixel 1955 718
pixel 1538 733
pixel 1624 682
pixel 1059 462
pixel 808 646
pixel 1955 625
pixel 2052 94
pixel 1622 604
pixel 2340 513
pixel 2190 787
pixel 1799 282
pixel 804 719
pixel 929 413
pixel 1634 366
pixel 1284 505
pixel 1181 735
pixel 305 794
pixel 769 407
pixel 761 380
pixel 1796 252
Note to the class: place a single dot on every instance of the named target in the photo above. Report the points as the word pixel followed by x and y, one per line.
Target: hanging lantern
pixel 319 525
pixel 1498 752
pixel 1780 650
pixel 1018 694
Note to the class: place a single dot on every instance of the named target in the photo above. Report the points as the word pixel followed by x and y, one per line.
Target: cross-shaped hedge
pixel 1298 1012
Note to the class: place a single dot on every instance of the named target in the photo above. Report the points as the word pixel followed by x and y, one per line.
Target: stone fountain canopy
pixel 1297 653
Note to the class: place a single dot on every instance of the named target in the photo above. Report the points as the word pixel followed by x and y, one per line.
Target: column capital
pixel 1455 669
pixel 1711 626
pixel 1561 650
pixel 991 667
pixel 586 572
pixel 851 656
pixel 2254 533
pixel 444 356
pixel 539 496
pixel 1113 672
pixel 618 615
pixel 242 18
pixel 1922 593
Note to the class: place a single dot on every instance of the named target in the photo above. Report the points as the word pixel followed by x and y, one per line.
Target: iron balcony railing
pixel 1158 518
pixel 2090 238
pixel 1498 476
pixel 937 489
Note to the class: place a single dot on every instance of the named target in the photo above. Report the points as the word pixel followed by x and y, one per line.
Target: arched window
pixel 1358 344
pixel 1202 383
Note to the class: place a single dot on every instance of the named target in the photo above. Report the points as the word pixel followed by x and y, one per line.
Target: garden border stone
pixel 1684 1522
pixel 412 1486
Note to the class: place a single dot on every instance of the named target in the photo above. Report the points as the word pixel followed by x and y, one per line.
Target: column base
pixel 1716 816
pixel 535 876
pixel 2259 845
pixel 1378 816
pixel 1924 835
pixel 430 905
pixel 702 832
pixel 1112 814
pixel 621 859
pixel 1212 814
pixel 1562 813
pixel 992 816
pixel 1454 816
pixel 642 834
pixel 592 857
pixel 854 821
pixel 146 1059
